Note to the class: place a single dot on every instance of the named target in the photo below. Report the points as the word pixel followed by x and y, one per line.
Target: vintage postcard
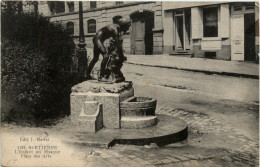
pixel 129 83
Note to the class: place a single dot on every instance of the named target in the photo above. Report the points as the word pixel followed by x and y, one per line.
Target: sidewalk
pixel 209 66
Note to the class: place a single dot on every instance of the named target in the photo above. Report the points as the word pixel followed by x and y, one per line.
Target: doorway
pixel 179 32
pixel 182 31
pixel 141 34
pixel 249 32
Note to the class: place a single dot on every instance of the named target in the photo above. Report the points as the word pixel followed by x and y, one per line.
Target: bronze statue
pixel 113 57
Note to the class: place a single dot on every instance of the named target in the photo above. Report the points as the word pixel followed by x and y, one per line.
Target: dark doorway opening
pixel 249 27
pixel 142 34
pixel 179 23
pixel 187 28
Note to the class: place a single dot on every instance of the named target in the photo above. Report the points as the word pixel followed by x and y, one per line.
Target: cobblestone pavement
pixel 210 143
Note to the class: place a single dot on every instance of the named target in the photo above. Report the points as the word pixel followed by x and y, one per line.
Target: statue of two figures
pixel 113 56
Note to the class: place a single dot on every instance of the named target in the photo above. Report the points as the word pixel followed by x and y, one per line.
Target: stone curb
pixel 201 71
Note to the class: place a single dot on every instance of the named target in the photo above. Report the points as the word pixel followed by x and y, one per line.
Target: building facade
pixel 220 30
pixel 144 37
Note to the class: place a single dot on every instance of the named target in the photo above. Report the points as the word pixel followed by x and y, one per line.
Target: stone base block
pixel 109 95
pixel 87 120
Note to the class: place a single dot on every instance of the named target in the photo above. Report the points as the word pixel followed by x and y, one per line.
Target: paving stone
pixel 138 160
pixel 125 159
pixel 166 161
pixel 106 156
pixel 115 161
pixel 226 158
pixel 182 158
pixel 157 162
pixel 236 158
pixel 132 156
pixel 173 159
pixel 191 156
pixel 145 163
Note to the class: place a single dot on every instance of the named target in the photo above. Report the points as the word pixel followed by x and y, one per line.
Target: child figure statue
pixel 115 62
pixel 113 58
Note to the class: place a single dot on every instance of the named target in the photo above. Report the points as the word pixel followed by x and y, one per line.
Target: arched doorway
pixel 141 34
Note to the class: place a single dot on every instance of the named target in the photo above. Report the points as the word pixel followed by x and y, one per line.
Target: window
pixel 119 2
pixel 91 26
pixel 116 19
pixel 210 55
pixel 250 7
pixel 59 7
pixel 93 4
pixel 179 12
pixel 70 6
pixel 52 7
pixel 210 22
pixel 237 8
pixel 70 26
pixel 56 7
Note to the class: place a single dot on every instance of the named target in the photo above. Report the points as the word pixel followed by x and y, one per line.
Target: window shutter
pixel 224 20
pixel 196 23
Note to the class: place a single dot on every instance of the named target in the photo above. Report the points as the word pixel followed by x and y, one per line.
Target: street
pixel 221 111
pixel 130 83
pixel 219 86
pixel 210 94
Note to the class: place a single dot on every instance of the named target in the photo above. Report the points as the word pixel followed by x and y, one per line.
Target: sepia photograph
pixel 129 83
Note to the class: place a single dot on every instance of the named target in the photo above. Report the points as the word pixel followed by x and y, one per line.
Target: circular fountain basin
pixel 138 106
pixel 138 112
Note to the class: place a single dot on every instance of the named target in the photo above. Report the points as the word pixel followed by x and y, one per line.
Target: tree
pixel 36 58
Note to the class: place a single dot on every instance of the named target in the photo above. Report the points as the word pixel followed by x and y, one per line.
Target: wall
pixel 221 44
pixel 257 32
pixel 168 33
pixel 103 15
pixel 179 5
pixel 199 44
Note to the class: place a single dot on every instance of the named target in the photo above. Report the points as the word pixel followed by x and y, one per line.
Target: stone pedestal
pixel 128 119
pixel 108 95
pixel 90 118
